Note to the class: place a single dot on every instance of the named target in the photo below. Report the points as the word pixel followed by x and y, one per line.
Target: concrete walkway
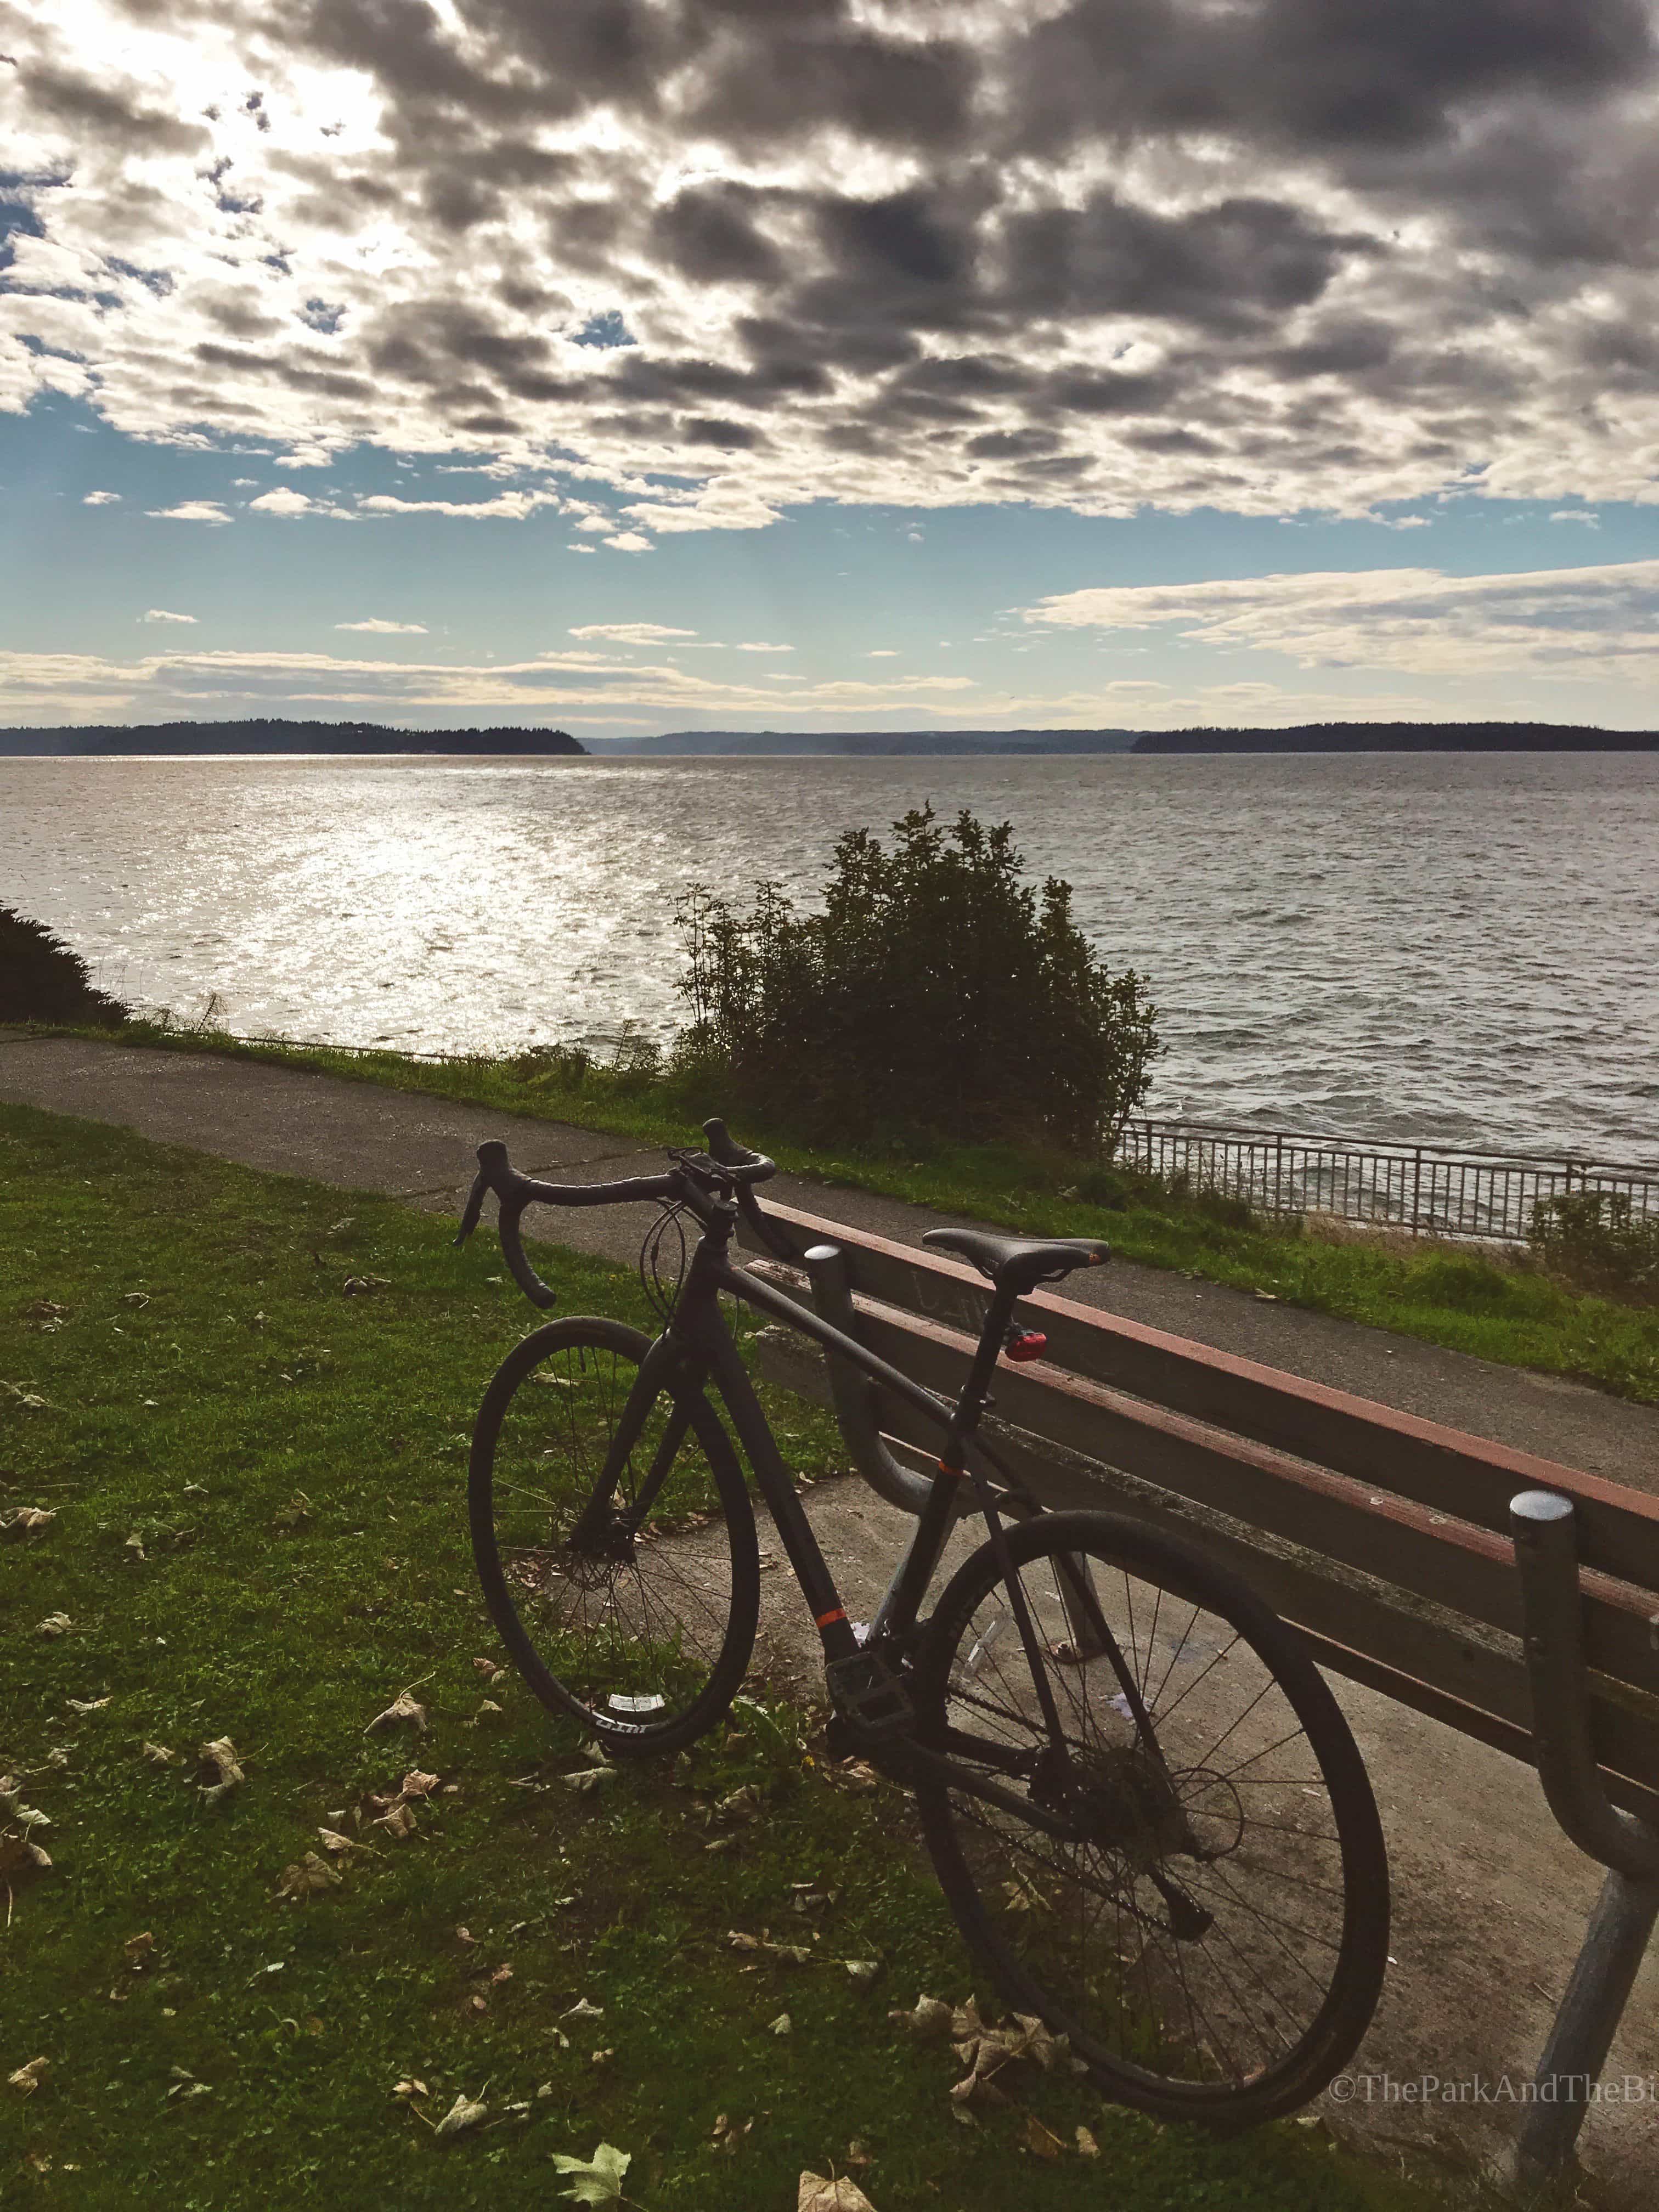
pixel 422 1148
pixel 1490 1899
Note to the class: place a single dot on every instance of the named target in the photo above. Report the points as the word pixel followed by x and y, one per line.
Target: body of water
pixel 1459 948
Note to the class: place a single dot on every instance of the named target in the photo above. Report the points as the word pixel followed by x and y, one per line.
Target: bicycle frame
pixel 697 1337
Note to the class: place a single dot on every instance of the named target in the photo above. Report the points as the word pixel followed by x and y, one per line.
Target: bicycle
pixel 1144 1806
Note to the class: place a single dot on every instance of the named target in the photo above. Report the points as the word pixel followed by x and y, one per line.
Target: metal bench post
pixel 1545 1555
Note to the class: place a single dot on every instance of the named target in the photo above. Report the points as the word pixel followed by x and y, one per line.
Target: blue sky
pixel 830 367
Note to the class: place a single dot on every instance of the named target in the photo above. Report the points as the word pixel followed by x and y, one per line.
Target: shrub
pixel 1595 1239
pixel 936 992
pixel 42 979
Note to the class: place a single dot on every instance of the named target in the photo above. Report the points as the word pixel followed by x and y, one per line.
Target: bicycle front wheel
pixel 631 1606
pixel 1210 1925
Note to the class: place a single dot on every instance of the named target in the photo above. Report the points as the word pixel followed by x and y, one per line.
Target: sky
pixel 639 365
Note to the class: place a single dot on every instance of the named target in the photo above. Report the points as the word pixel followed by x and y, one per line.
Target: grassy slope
pixel 291 1459
pixel 1445 1295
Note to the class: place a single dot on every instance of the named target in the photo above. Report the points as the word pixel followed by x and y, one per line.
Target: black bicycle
pixel 1145 1807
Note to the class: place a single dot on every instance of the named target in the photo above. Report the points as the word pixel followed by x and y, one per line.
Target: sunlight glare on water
pixel 1455 948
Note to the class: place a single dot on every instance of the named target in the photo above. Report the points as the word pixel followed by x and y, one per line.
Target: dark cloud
pixel 891 91
pixel 710 236
pixel 1242 251
pixel 1225 265
pixel 96 108
pixel 1333 75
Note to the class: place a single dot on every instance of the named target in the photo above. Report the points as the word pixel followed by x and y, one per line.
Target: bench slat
pixel 1471 1478
pixel 1416 1649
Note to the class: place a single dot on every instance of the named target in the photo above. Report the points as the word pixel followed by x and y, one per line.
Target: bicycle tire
pixel 1127 2000
pixel 572 1610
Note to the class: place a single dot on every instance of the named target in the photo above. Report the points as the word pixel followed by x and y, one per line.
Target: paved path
pixel 422 1148
pixel 1491 1900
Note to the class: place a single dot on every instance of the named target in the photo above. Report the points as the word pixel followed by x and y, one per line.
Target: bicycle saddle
pixel 1020 1263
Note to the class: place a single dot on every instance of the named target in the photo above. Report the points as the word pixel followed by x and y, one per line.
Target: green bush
pixel 936 992
pixel 1593 1238
pixel 42 981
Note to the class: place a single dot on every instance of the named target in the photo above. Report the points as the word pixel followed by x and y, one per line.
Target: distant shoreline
pixel 273 737
pixel 277 739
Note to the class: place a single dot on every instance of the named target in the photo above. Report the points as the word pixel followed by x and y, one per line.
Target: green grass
pixel 183 1365
pixel 1452 1297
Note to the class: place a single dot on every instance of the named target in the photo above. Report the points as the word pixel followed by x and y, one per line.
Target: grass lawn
pixel 256 1480
pixel 1444 1293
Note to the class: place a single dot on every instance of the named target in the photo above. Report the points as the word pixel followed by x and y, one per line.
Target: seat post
pixel 976 1393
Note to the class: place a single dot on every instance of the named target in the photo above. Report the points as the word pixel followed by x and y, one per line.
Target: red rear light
pixel 1029 1346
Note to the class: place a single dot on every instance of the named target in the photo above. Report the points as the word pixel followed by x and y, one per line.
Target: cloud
pixel 101 498
pixel 283 501
pixel 882 653
pixel 382 629
pixel 629 541
pixel 630 633
pixel 1262 256
pixel 161 615
pixel 1590 623
pixel 189 510
pixel 215 683
pixel 506 507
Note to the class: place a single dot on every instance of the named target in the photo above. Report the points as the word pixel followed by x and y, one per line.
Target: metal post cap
pixel 819 1252
pixel 1542 1507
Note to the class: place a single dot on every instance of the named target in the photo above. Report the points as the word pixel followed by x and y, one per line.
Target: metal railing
pixel 1427 1189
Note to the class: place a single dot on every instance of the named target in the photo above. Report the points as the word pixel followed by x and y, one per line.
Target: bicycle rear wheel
pixel 633 1610
pixel 1211 1930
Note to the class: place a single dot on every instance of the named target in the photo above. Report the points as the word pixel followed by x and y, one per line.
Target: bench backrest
pixel 1384 1538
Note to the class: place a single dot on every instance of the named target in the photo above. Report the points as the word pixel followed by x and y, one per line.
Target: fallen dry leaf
pixel 781 2026
pixel 27 1520
pixel 1087 2147
pixel 416 1785
pixel 861 1972
pixel 1042 2140
pixel 588 1779
pixel 138 1949
pixel 86 1705
pixel 338 1845
pixel 489 1668
pixel 403 1711
pixel 221 1772
pixel 727 2136
pixel 583 2009
pixel 397 1820
pixel 159 1754
pixel 27 2079
pixel 312 1876
pixel 818 2193
pixel 485 1710
pixel 410 2088
pixel 929 2023
pixel 55 1624
pixel 466 2113
pixel 20 1856
pixel 596 2180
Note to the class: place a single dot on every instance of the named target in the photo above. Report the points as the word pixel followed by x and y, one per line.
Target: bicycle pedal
pixel 869 1699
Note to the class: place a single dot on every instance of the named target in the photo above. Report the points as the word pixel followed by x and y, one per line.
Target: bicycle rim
pixel 1212 1932
pixel 635 1612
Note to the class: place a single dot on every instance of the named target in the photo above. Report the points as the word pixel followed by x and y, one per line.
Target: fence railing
pixel 1427 1189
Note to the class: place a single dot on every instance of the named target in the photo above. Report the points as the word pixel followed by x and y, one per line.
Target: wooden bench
pixel 1512 1599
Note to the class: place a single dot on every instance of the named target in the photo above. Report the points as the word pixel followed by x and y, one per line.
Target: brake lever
pixel 474 1207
